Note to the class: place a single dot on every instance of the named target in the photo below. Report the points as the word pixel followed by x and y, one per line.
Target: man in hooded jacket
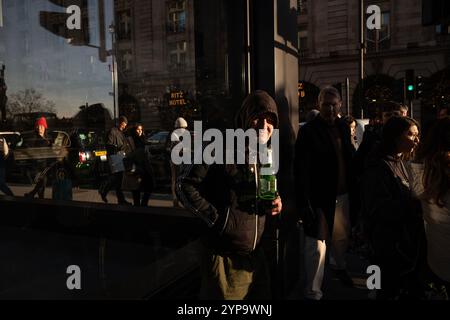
pixel 225 197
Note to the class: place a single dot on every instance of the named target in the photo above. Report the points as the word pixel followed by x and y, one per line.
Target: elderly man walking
pixel 322 176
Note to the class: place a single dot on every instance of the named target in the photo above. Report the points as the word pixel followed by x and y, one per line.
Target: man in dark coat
pixel 225 197
pixel 322 175
pixel 116 143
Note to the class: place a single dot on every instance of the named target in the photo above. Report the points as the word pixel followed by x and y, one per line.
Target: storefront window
pixel 81 64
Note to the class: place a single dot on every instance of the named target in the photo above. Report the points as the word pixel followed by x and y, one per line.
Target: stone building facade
pixel 328 34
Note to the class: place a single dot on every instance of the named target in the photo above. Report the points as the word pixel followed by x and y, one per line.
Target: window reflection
pixel 177 16
pixel 174 58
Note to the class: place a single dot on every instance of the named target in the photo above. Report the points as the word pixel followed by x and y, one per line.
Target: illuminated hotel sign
pixel 177 99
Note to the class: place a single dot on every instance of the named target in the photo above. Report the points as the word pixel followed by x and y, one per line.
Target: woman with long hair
pixel 431 181
pixel 139 156
pixel 392 217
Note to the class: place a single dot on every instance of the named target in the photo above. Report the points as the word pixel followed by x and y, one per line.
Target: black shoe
pixel 103 195
pixel 125 203
pixel 28 195
pixel 344 277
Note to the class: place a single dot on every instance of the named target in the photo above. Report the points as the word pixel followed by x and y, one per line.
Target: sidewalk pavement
pixel 92 195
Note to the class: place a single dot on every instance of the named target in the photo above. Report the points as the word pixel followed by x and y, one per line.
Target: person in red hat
pixel 39 140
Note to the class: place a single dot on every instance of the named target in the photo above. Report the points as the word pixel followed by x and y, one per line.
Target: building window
pixel 177 17
pixel 379 40
pixel 177 53
pixel 442 29
pixel 126 60
pixel 124 23
pixel 302 40
pixel 302 6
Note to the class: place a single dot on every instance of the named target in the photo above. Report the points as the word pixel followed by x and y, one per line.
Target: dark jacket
pixel 316 172
pixel 225 196
pixel 37 141
pixel 116 141
pixel 371 139
pixel 141 158
pixel 392 216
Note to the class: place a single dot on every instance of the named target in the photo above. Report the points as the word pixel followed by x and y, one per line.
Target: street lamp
pixel 112 31
pixel 361 57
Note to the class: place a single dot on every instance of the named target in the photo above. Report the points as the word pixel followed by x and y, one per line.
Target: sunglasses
pixel 268 117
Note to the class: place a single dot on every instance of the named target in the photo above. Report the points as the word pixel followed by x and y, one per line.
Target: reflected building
pixel 155 57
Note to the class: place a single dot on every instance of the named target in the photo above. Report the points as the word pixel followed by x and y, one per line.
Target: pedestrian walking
pixel 322 175
pixel 4 154
pixel 138 168
pixel 430 182
pixel 39 139
pixel 117 148
pixel 391 214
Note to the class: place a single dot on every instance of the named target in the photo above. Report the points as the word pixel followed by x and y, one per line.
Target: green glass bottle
pixel 267 187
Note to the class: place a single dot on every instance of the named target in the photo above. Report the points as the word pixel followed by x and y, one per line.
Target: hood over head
pixel 257 103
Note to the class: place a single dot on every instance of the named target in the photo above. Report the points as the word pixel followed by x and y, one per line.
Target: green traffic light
pixel 410 87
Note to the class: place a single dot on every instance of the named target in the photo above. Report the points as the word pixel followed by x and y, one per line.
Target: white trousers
pixel 315 250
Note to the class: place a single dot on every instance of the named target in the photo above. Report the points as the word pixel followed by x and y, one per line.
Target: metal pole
pixel 1 13
pixel 404 90
pixel 347 94
pixel 361 58
pixel 411 113
pixel 248 46
pixel 113 56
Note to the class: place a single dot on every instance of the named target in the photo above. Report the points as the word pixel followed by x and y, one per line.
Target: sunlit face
pixel 40 130
pixel 329 108
pixel 447 158
pixel 442 114
pixel 122 126
pixel 139 131
pixel 264 125
pixel 409 140
pixel 403 112
pixel 353 128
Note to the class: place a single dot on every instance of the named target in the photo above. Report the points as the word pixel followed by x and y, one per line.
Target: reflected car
pixel 88 156
pixel 23 168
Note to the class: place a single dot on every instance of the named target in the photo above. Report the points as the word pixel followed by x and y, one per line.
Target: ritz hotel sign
pixel 177 99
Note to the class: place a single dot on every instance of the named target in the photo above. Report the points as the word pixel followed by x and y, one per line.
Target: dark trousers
pixel 3 187
pixel 137 201
pixel 114 181
pixel 39 188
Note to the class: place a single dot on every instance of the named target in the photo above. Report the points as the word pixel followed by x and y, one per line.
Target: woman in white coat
pixel 431 181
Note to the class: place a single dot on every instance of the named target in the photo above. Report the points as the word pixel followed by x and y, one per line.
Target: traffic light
pixel 409 84
pixel 419 87
pixel 59 23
